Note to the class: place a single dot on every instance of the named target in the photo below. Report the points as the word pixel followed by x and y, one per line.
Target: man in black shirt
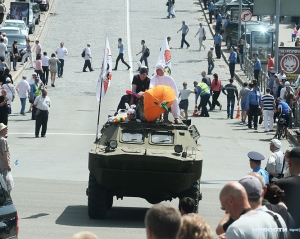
pixel 291 186
pixel 140 83
pixel 231 93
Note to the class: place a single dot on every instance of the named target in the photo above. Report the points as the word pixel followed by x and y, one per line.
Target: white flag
pixel 105 75
pixel 165 57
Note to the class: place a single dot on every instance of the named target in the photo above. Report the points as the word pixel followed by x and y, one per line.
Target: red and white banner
pixel 165 57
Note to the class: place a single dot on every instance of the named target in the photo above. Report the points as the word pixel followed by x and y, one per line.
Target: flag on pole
pixel 165 57
pixel 105 75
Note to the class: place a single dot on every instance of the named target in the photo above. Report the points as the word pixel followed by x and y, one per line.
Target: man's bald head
pixel 233 189
pixel 84 235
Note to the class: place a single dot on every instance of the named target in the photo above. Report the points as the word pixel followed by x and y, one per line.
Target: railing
pixel 7 60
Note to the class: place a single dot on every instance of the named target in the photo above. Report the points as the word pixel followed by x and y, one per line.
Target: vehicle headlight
pixel 178 148
pixel 113 144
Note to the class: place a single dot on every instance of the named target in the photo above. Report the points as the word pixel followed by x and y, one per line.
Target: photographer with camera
pixel 275 163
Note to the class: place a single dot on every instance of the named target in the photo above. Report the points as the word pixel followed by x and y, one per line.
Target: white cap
pixel 276 143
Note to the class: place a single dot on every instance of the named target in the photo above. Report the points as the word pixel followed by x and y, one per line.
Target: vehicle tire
pixel 283 131
pixel 280 129
pixel 37 21
pixel 109 201
pixel 31 30
pixel 228 43
pixel 194 193
pixel 97 206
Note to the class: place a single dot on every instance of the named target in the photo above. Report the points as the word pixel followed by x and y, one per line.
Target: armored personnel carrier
pixel 154 161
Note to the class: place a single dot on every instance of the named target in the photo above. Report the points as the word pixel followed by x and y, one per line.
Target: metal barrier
pixel 7 60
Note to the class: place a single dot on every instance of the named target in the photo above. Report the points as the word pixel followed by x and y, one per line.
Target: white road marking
pixel 129 45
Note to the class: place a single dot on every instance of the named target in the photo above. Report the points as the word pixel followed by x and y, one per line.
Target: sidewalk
pixel 285 36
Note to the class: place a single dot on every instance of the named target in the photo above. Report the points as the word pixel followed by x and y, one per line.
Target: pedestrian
pixel 144 53
pixel 281 76
pixel 297 42
pixel 5 74
pixel 272 83
pixel 5 166
pixel 38 67
pixel 279 86
pixel 45 66
pixel 185 29
pixel 231 94
pixel 15 54
pixel 3 48
pixel 187 205
pixel 28 53
pixel 3 65
pixel 232 60
pixel 252 105
pixel 275 161
pixel 3 107
pixel 10 93
pixel 207 81
pixel 218 40
pixel 53 63
pixel 205 4
pixel 219 21
pixel 194 227
pixel 270 64
pixel 38 48
pixel 5 38
pixel 203 90
pixel 42 103
pixel 241 52
pixel 216 86
pixel 23 90
pixel 202 36
pixel 227 22
pixel 61 53
pixel 268 105
pixel 243 98
pixel 170 10
pixel 161 79
pixel 290 185
pixel 288 98
pixel 211 10
pixel 184 93
pixel 85 235
pixel 210 60
pixel 162 222
pixel 121 55
pixel 255 159
pixel 35 91
pixel 87 58
pixel 256 67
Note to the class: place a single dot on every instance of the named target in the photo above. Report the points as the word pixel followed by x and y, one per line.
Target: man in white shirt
pixel 3 48
pixel 42 103
pixel 283 90
pixel 184 93
pixel 161 79
pixel 45 66
pixel 5 38
pixel 202 36
pixel 87 58
pixel 275 162
pixel 61 52
pixel 23 90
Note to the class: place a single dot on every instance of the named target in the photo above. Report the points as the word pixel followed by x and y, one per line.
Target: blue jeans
pixel 241 56
pixel 230 106
pixel 60 67
pixel 15 63
pixel 144 58
pixel 23 104
pixel 184 41
pixel 211 66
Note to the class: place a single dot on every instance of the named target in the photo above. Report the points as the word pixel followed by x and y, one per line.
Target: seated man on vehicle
pixel 283 110
pixel 140 83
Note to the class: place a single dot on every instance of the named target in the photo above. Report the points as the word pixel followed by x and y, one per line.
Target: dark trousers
pixel 256 74
pixel 41 75
pixel 87 63
pixel 215 97
pixel 4 116
pixel 124 99
pixel 211 13
pixel 231 69
pixel 211 66
pixel 33 111
pixel 205 4
pixel 218 50
pixel 218 26
pixel 60 67
pixel 184 41
pixel 46 74
pixel 203 103
pixel 144 58
pixel 253 112
pixel 120 57
pixel 41 120
pixel 230 106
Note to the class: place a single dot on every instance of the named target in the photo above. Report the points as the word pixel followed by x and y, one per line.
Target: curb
pixel 291 134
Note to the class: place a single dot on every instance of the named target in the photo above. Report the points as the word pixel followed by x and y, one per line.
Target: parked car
pixel 44 4
pixel 235 4
pixel 9 220
pixel 21 43
pixel 10 30
pixel 36 12
pixel 221 5
pixel 19 24
pixel 230 35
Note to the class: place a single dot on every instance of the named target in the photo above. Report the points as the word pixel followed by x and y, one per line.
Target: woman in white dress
pixel 11 91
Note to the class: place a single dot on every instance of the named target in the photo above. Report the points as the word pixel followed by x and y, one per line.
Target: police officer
pixel 255 164
pixel 252 104
pixel 275 162
pixel 283 110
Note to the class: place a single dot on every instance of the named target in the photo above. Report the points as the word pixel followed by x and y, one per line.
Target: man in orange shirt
pixel 270 64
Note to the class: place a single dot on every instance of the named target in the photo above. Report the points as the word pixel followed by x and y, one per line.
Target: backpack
pixel 83 53
pixel 147 52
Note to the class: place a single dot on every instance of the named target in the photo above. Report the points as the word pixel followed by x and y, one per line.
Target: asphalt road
pixel 52 175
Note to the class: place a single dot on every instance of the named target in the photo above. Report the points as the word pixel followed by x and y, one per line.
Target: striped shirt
pixel 231 90
pixel 268 101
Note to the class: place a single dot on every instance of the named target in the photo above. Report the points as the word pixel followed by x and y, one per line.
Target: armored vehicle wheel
pixel 97 200
pixel 194 193
pixel 109 201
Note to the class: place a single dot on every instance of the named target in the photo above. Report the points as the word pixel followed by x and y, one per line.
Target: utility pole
pixel 277 35
pixel 240 26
